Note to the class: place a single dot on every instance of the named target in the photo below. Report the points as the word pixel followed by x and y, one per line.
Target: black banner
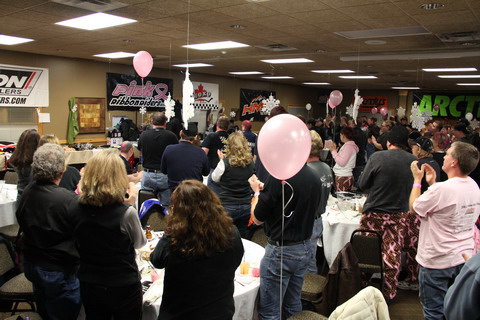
pixel 251 104
pixel 125 92
pixel 448 105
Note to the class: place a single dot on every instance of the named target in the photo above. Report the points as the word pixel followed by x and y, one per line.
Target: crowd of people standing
pixel 88 241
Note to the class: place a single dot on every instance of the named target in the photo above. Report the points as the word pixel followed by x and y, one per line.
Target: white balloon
pixel 308 106
pixel 469 116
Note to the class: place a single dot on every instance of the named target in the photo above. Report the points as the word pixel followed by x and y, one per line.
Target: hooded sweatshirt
pixel 345 159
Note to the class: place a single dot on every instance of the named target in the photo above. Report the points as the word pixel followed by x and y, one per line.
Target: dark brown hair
pixel 159 119
pixel 223 123
pixel 198 225
pixel 26 146
pixel 347 132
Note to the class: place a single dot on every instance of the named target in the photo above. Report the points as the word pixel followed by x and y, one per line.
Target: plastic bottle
pixel 148 232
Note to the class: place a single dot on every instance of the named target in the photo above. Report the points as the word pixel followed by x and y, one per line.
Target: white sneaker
pixel 404 285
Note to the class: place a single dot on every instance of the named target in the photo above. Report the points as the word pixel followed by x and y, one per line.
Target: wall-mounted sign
pixel 126 92
pixel 251 104
pixel 449 105
pixel 206 96
pixel 23 86
pixel 370 102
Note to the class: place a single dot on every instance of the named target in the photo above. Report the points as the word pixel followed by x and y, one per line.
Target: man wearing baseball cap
pixel 388 180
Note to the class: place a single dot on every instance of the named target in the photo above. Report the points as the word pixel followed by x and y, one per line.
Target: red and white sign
pixel 206 96
pixel 23 86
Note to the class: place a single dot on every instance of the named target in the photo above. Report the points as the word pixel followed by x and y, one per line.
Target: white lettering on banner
pixel 23 86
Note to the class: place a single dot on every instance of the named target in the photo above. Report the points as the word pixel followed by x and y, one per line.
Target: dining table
pixel 341 218
pixel 247 281
pixel 8 203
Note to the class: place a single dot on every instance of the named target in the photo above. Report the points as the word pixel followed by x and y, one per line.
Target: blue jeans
pixel 240 214
pixel 157 182
pixel 434 284
pixel 294 267
pixel 316 233
pixel 57 294
pixel 215 187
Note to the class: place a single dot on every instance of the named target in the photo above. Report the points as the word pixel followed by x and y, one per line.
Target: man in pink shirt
pixel 448 211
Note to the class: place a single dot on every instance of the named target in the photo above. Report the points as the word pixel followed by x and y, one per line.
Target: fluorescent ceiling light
pixel 406 88
pixel 277 77
pixel 468 84
pixel 384 33
pixel 10 40
pixel 96 21
pixel 317 83
pixel 115 55
pixel 413 56
pixel 333 71
pixel 357 77
pixel 449 69
pixel 293 60
pixel 460 76
pixel 193 65
pixel 216 45
pixel 243 73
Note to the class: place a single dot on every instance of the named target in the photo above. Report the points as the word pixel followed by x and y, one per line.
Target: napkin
pixel 153 293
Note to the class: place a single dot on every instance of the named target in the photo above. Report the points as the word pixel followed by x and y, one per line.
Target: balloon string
pixel 288 202
pixel 143 103
pixel 281 247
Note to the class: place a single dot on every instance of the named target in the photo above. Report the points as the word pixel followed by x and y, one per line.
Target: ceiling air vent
pixel 93 5
pixel 460 36
pixel 277 47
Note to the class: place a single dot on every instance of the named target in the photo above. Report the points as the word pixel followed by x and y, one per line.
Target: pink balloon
pixel 383 111
pixel 374 110
pixel 331 105
pixel 143 63
pixel 284 144
pixel 336 97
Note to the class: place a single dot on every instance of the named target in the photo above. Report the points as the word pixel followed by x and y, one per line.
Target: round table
pixel 337 229
pixel 246 286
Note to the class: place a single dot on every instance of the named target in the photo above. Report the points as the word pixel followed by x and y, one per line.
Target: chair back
pixel 11 177
pixel 6 262
pixel 156 220
pixel 144 195
pixel 367 245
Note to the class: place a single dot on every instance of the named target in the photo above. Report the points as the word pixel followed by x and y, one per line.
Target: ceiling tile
pixel 351 3
pixel 319 17
pixel 250 10
pixel 289 6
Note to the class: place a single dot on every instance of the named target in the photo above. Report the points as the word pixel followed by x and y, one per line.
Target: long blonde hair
pixel 105 179
pixel 239 153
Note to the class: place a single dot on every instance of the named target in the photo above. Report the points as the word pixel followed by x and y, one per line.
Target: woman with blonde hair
pixel 71 176
pixel 22 158
pixel 232 174
pixel 200 251
pixel 107 231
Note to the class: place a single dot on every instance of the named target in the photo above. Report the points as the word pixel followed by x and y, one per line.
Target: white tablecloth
pixel 246 287
pixel 337 229
pixel 8 197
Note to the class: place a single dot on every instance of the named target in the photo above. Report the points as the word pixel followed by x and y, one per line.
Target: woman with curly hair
pixel 22 158
pixel 107 231
pixel 232 174
pixel 200 251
